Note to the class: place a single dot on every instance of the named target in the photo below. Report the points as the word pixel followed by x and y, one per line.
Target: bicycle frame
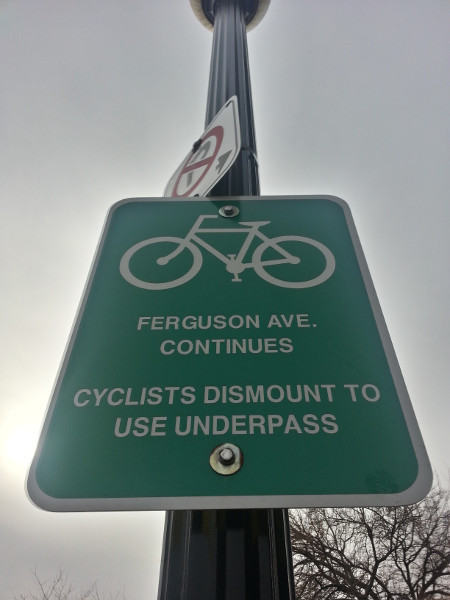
pixel 234 263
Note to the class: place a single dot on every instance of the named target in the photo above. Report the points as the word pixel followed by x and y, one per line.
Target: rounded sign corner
pixel 36 496
pixel 416 492
pixel 421 486
pixel 120 203
pixel 337 200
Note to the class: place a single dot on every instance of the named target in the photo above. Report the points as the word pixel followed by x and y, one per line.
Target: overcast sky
pixel 101 100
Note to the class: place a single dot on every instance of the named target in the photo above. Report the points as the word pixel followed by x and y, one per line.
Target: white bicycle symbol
pixel 234 262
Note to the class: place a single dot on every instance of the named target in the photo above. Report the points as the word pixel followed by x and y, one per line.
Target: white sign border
pixel 411 495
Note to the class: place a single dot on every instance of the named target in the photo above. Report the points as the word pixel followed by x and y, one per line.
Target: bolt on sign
pixel 229 354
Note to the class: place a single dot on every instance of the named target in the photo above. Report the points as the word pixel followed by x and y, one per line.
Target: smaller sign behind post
pixel 229 357
pixel 210 157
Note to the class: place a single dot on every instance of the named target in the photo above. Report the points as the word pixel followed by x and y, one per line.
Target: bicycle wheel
pixel 153 263
pixel 282 258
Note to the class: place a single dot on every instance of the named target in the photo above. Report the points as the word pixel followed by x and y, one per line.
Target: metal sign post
pixel 234 554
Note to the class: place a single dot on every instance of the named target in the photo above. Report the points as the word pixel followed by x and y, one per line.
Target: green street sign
pixel 229 353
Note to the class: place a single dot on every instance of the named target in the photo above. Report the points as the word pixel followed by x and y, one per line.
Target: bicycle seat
pixel 260 223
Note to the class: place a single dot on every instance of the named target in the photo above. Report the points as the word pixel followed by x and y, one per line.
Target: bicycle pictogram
pixel 269 253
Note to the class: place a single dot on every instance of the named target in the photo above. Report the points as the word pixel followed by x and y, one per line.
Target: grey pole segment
pixel 229 554
pixel 230 76
pixel 226 555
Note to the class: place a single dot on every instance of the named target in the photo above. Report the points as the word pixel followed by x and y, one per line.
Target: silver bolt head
pixel 226 459
pixel 226 456
pixel 228 211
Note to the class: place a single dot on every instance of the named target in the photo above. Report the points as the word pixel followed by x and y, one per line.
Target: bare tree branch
pixel 60 588
pixel 374 553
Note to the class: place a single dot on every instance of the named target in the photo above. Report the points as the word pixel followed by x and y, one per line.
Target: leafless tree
pixel 394 553
pixel 60 587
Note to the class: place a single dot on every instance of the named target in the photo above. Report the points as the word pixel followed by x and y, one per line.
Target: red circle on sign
pixel 216 132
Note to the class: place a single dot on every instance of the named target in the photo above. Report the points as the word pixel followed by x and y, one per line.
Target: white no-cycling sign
pixel 211 156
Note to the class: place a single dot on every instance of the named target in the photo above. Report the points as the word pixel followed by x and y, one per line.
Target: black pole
pixel 230 76
pixel 229 554
pixel 226 555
